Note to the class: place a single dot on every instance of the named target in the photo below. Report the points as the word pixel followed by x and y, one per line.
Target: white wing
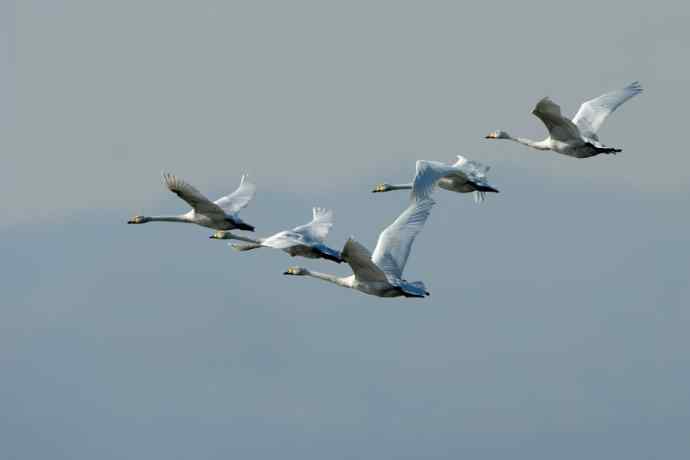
pixel 395 242
pixel 192 196
pixel 560 128
pixel 427 176
pixel 594 112
pixel 359 259
pixel 473 169
pixel 318 228
pixel 238 199
pixel 308 234
pixel 283 240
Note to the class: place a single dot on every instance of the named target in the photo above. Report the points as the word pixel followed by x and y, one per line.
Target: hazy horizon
pixel 558 316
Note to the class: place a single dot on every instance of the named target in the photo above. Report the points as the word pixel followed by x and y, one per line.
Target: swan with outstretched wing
pixel 222 214
pixel 307 240
pixel 577 137
pixel 465 177
pixel 381 273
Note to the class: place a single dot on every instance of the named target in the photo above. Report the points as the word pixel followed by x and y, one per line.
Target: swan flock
pixel 380 273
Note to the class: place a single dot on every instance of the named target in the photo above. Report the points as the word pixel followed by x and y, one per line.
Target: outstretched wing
pixel 427 176
pixel 192 196
pixel 594 112
pixel 560 128
pixel 283 240
pixel 359 259
pixel 238 199
pixel 477 174
pixel 473 169
pixel 318 228
pixel 395 242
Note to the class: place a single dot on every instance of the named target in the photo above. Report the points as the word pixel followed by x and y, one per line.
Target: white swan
pixel 222 214
pixel 466 176
pixel 577 138
pixel 380 273
pixel 306 240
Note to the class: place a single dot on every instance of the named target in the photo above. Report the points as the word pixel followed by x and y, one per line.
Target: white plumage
pixel 380 273
pixel 577 137
pixel 223 214
pixel 395 242
pixel 307 240
pixel 465 177
pixel 593 113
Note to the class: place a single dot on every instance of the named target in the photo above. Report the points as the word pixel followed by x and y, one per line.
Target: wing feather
pixel 283 240
pixel 240 198
pixel 594 112
pixel 321 223
pixel 560 128
pixel 473 169
pixel 359 259
pixel 427 175
pixel 192 196
pixel 395 242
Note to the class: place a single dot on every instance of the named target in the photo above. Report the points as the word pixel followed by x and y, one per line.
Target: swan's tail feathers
pixel 414 289
pixel 244 226
pixel 245 246
pixel 485 188
pixel 608 150
pixel 481 190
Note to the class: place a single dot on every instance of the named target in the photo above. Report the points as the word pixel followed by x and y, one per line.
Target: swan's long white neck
pixel 232 236
pixel 539 145
pixel 401 186
pixel 168 219
pixel 326 277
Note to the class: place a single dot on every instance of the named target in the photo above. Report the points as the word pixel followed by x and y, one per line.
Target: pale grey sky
pixel 557 325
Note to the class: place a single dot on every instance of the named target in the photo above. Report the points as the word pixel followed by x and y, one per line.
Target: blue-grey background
pixel 559 316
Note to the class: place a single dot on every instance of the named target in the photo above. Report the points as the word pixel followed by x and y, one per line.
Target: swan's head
pixel 221 235
pixel 382 188
pixel 138 220
pixel 295 271
pixel 497 135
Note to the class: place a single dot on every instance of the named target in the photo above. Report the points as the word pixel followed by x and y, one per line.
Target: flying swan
pixel 222 214
pixel 577 138
pixel 306 240
pixel 467 176
pixel 380 273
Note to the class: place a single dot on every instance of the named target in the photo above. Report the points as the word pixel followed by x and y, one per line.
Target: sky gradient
pixel 557 325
